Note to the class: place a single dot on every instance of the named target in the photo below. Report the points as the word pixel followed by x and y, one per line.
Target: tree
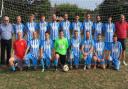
pixel 72 10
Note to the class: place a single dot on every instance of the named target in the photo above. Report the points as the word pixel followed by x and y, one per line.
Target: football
pixel 65 68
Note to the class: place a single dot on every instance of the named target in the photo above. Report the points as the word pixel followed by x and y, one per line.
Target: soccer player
pixel 65 25
pixel 98 57
pixel 54 28
pixel 43 26
pixel 115 54
pixel 75 50
pixel 19 27
pixel 121 31
pixel 19 48
pixel 87 25
pixel 60 49
pixel 46 51
pixel 34 53
pixel 108 30
pixel 97 27
pixel 77 25
pixel 87 50
pixel 31 26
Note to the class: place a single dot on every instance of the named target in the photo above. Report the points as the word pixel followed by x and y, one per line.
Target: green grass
pixel 74 79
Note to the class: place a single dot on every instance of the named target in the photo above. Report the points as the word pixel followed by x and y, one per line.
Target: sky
pixel 85 4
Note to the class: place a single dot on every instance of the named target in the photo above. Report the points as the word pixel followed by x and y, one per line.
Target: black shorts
pixel 62 58
pixel 123 43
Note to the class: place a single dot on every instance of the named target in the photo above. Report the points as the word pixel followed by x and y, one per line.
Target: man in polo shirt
pixel 121 31
pixel 6 32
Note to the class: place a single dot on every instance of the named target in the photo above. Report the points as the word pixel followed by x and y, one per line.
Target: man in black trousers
pixel 6 32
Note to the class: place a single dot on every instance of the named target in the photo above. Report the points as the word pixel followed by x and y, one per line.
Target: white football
pixel 65 68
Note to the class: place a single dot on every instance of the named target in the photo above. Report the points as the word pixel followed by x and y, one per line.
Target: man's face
pixel 18 19
pixel 43 18
pixel 19 35
pixel 99 38
pixel 122 18
pixel 54 17
pixel 115 39
pixel 34 35
pixel 6 20
pixel 98 18
pixel 31 18
pixel 87 35
pixel 76 34
pixel 61 34
pixel 66 16
pixel 88 17
pixel 77 18
pixel 109 19
pixel 46 35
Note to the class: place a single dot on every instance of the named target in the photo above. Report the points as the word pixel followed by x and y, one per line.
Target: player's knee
pixel 57 56
pixel 94 58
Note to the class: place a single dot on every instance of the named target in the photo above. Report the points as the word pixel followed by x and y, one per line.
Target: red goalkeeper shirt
pixel 19 47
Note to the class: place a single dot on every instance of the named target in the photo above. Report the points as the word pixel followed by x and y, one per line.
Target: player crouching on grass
pixel 115 53
pixel 87 50
pixel 19 48
pixel 46 51
pixel 75 50
pixel 34 53
pixel 98 57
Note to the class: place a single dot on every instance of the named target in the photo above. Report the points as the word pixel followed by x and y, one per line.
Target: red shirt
pixel 121 29
pixel 19 47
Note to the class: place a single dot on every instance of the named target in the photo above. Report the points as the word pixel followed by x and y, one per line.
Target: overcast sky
pixel 86 4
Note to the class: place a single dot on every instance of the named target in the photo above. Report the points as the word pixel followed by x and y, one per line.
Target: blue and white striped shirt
pixel 75 46
pixel 98 29
pixel 54 30
pixel 116 50
pixel 87 26
pixel 19 28
pixel 109 30
pixel 34 46
pixel 47 47
pixel 43 27
pixel 99 49
pixel 30 27
pixel 66 26
pixel 77 26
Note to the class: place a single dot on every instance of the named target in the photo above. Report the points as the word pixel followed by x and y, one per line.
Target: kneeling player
pixel 46 51
pixel 87 50
pixel 115 53
pixel 19 48
pixel 75 50
pixel 98 57
pixel 33 55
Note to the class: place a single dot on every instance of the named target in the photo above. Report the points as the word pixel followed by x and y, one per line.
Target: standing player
pixel 75 50
pixel 19 48
pixel 109 30
pixel 65 25
pixel 87 25
pixel 121 31
pixel 19 27
pixel 98 57
pixel 115 54
pixel 34 53
pixel 77 25
pixel 31 26
pixel 87 50
pixel 54 28
pixel 43 26
pixel 60 48
pixel 46 51
pixel 97 27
